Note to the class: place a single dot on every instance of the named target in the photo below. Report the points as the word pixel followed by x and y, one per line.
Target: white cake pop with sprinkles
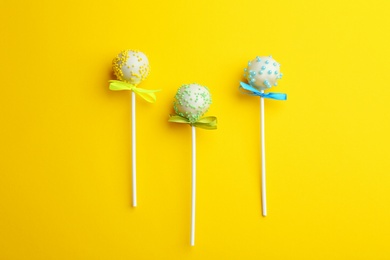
pixel 192 101
pixel 131 66
pixel 263 72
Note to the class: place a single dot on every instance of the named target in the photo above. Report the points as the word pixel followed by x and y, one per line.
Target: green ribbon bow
pixel 146 94
pixel 209 122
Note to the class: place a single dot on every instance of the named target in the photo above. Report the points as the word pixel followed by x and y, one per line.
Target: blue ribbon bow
pixel 255 92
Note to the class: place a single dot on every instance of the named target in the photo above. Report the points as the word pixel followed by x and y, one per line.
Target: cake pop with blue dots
pixel 263 72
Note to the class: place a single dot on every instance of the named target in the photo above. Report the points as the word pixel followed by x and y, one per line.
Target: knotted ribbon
pixel 254 92
pixel 208 122
pixel 146 94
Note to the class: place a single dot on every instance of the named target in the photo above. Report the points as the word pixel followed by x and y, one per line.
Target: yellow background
pixel 65 171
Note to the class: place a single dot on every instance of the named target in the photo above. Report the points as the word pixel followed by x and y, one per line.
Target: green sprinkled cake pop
pixel 192 101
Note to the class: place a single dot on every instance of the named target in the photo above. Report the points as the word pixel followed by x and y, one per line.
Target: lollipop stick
pixel 263 184
pixel 133 151
pixel 193 186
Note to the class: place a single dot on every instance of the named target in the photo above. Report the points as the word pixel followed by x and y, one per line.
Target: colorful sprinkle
pixel 131 66
pixel 192 101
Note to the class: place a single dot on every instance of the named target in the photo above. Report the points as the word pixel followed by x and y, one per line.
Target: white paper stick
pixel 193 195
pixel 133 150
pixel 262 137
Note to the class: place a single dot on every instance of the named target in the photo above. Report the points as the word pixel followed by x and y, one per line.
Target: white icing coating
pixel 192 101
pixel 131 66
pixel 263 72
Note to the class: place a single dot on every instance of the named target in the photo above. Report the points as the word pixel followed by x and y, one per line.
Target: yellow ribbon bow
pixel 146 94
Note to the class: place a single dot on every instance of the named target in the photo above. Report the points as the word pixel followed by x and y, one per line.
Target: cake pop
pixel 262 73
pixel 131 68
pixel 191 102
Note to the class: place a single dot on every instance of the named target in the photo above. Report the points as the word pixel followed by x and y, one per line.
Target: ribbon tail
pixel 205 126
pixel 276 96
pixel 149 97
pixel 178 119
pixel 209 123
pixel 146 94
pixel 249 88
pixel 142 90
